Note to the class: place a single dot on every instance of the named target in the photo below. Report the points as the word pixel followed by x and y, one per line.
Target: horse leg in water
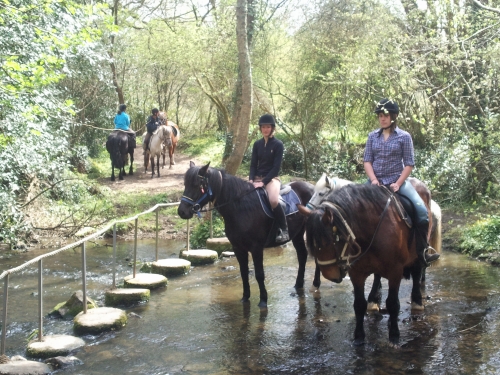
pixel 375 296
pixel 393 306
pixel 300 248
pixel 358 283
pixel 242 257
pixel 258 264
pixel 416 292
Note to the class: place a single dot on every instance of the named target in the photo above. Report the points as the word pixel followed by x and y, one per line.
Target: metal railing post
pixel 114 256
pixel 4 318
pixel 40 300
pixel 84 278
pixel 157 234
pixel 187 245
pixel 135 245
pixel 211 221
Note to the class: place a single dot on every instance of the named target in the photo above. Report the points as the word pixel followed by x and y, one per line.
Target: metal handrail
pixel 5 274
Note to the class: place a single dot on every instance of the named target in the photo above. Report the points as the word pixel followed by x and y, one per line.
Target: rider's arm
pixel 370 173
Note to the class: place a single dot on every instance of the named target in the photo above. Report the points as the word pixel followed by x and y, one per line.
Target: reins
pixel 209 194
pixel 351 238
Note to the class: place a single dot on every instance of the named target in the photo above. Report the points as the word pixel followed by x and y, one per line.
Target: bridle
pixel 344 259
pixel 206 196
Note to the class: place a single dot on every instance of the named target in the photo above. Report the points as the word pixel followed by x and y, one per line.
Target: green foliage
pixel 482 237
pixel 201 232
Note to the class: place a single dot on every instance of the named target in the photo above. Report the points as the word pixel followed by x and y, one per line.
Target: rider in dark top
pixel 267 154
pixel 152 124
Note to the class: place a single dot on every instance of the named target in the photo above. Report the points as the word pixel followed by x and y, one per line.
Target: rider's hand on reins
pixel 258 184
pixel 375 182
pixel 395 187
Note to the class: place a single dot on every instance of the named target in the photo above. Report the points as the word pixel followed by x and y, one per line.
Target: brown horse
pixel 169 142
pixel 358 229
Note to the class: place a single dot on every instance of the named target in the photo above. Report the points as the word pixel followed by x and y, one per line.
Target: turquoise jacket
pixel 122 121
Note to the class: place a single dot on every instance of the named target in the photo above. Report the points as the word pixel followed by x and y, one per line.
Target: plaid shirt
pixel 389 157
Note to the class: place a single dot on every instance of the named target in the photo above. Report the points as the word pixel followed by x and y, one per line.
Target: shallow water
pixel 196 325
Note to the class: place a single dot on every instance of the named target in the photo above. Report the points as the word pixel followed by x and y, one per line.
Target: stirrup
pixel 282 236
pixel 431 255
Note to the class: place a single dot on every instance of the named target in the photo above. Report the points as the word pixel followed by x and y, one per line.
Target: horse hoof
pixel 416 307
pixel 263 304
pixel 372 307
pixel 244 300
pixel 359 342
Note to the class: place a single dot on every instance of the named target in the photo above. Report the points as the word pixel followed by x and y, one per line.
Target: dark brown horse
pixel 357 229
pixel 246 225
pixel 119 144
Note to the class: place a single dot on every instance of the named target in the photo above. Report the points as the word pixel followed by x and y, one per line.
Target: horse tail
pixel 436 239
pixel 115 154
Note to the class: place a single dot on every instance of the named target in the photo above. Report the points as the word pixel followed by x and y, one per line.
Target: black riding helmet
pixel 122 107
pixel 387 106
pixel 267 119
pixel 154 111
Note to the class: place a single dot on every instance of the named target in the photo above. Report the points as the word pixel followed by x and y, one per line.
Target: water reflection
pixel 197 325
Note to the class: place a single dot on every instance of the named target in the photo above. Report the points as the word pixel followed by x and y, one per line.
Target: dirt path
pixel 169 180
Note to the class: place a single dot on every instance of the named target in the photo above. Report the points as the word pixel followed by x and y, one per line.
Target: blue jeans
pixel 421 215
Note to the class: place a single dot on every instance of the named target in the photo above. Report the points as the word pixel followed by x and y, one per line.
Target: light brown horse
pixel 171 143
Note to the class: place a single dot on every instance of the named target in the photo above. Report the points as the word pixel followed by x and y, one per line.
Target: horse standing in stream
pixel 359 230
pixel 247 226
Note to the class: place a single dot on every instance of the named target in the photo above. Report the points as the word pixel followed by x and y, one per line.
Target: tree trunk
pixel 116 84
pixel 237 134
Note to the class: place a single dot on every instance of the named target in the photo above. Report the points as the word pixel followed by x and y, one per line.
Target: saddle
pixel 404 207
pixel 288 200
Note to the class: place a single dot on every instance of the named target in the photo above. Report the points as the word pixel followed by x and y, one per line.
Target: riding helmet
pixel 267 119
pixel 154 110
pixel 387 105
pixel 122 107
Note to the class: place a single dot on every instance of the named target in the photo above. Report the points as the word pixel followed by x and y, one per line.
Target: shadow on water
pixel 197 324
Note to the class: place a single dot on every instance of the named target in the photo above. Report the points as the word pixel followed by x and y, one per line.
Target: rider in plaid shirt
pixel 389 160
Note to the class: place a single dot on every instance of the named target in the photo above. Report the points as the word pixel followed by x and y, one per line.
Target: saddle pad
pixel 289 199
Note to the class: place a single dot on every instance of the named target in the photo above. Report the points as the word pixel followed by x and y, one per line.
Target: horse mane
pixel 353 200
pixel 225 189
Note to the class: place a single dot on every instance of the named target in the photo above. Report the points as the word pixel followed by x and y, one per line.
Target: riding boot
pixel 426 254
pixel 279 216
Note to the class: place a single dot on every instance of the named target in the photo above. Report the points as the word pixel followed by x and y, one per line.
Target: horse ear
pixel 326 179
pixel 328 217
pixel 203 170
pixel 191 164
pixel 304 210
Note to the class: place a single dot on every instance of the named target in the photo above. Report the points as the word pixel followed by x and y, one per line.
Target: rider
pixel 122 120
pixel 152 124
pixel 267 154
pixel 388 160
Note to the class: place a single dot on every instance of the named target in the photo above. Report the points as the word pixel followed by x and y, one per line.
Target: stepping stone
pixel 126 296
pixel 53 346
pixel 99 320
pixel 145 280
pixel 171 267
pixel 24 368
pixel 219 244
pixel 227 254
pixel 200 257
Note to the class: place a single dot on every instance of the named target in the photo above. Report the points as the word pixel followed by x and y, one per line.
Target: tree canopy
pixel 319 67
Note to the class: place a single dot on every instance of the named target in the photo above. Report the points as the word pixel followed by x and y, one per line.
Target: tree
pixel 243 105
